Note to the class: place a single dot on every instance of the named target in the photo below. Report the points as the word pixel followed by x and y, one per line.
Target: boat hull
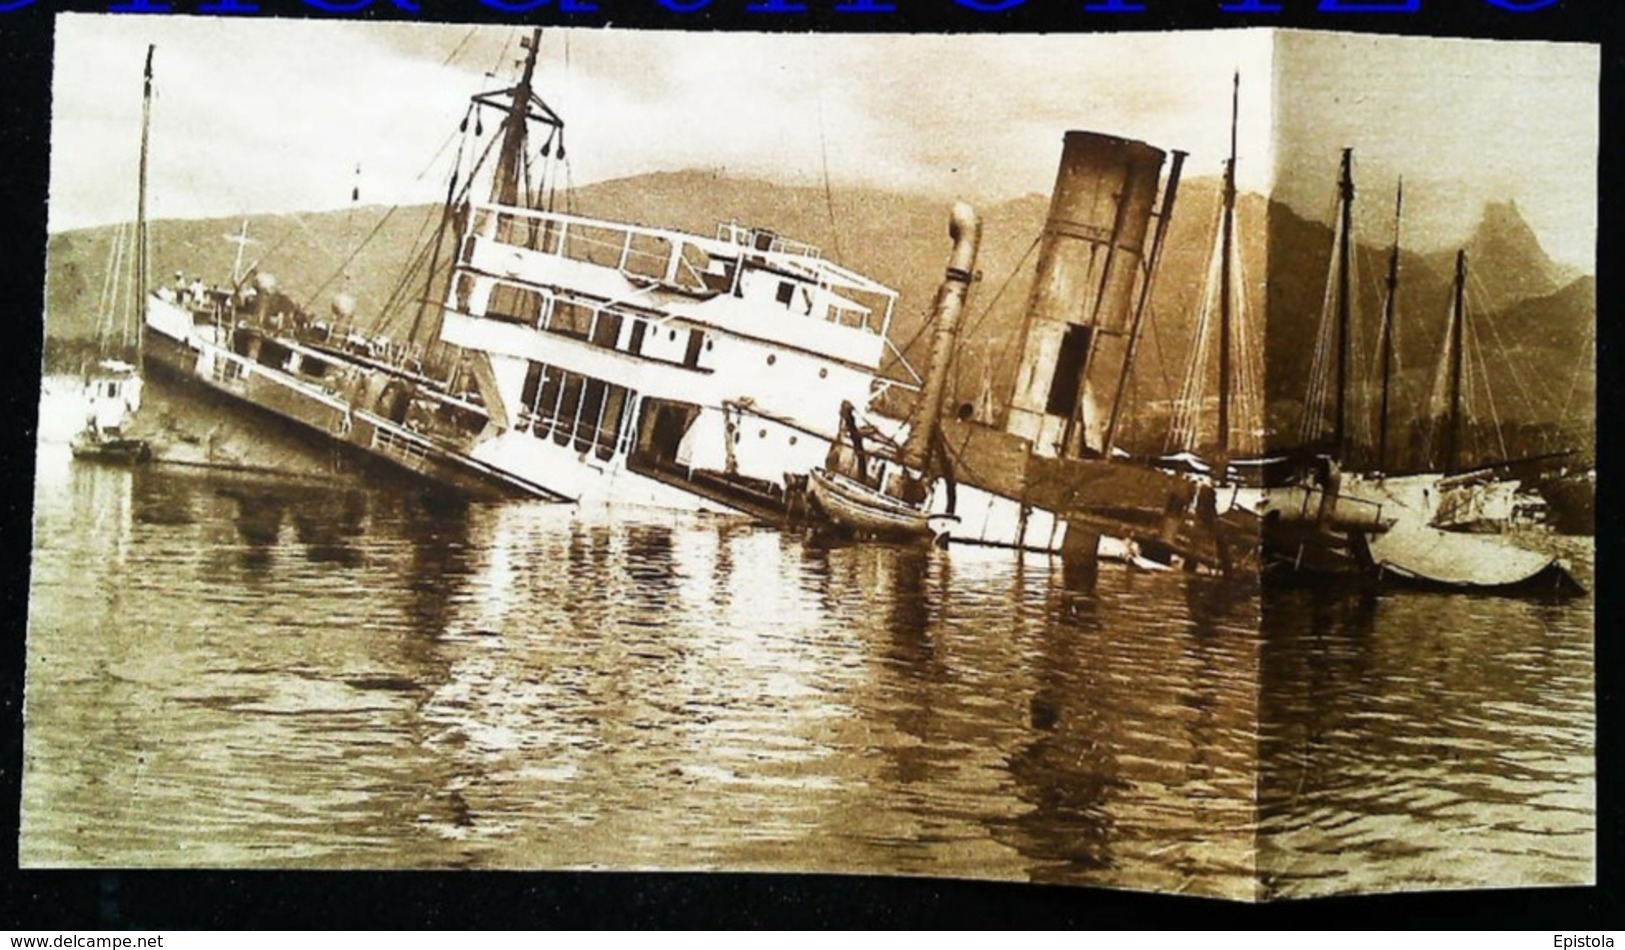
pixel 865 511
pixel 111 451
pixel 323 419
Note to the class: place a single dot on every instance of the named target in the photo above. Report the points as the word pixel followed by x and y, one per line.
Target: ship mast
pixel 142 274
pixel 1228 242
pixel 1170 193
pixel 1345 259
pixel 1386 348
pixel 1457 360
pixel 506 188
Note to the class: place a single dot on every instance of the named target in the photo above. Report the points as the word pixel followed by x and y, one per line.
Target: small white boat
pixel 871 512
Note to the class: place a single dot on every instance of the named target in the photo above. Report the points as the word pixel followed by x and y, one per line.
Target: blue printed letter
pixel 1370 6
pixel 356 6
pixel 685 6
pixel 139 6
pixel 990 6
pixel 1250 6
pixel 1522 6
pixel 776 6
pixel 1114 6
pixel 865 6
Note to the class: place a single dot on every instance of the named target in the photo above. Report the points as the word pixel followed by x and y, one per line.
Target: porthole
pixel 823 373
pixel 771 359
pixel 792 440
pixel 736 438
pixel 671 334
pixel 710 345
pixel 762 434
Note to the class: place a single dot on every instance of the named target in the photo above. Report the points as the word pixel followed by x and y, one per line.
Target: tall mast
pixel 1170 192
pixel 1387 347
pixel 142 275
pixel 510 166
pixel 1345 258
pixel 1457 361
pixel 1227 249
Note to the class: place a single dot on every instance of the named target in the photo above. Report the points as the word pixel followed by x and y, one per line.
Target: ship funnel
pixel 965 228
pixel 1091 261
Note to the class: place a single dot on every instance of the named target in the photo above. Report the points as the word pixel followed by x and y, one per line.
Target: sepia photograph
pixel 1154 461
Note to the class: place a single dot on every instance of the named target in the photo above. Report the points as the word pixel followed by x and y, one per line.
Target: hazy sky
pixel 258 115
pixel 1464 121
pixel 263 115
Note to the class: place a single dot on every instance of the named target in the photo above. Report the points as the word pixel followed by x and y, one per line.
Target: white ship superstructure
pixel 633 365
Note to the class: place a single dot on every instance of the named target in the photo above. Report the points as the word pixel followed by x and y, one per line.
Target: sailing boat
pixel 113 386
pixel 1304 522
pixel 1406 542
pixel 880 498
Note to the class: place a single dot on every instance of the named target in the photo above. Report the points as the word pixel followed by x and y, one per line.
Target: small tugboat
pixel 113 386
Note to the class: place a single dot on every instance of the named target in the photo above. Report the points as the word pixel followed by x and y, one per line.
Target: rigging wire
pixel 829 193
pixel 1317 396
pixel 1476 348
pixel 1185 432
pixel 1530 403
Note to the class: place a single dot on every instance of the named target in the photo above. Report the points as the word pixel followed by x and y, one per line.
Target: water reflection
pixel 245 673
pixel 1449 736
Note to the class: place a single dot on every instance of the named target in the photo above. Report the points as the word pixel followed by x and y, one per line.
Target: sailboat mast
pixel 510 167
pixel 142 266
pixel 1458 360
pixel 1170 192
pixel 1227 250
pixel 1388 314
pixel 1345 259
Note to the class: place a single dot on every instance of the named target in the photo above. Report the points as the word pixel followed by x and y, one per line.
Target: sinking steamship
pixel 603 363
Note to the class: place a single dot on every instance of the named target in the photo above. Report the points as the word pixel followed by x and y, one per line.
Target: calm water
pixel 253 674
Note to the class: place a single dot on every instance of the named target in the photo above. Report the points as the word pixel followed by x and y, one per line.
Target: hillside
pixel 1531 332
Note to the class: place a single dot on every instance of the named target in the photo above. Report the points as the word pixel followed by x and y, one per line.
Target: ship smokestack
pixel 1091 259
pixel 965 228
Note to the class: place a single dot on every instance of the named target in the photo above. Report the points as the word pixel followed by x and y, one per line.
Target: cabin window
pixel 591 414
pixel 465 291
pixel 514 304
pixel 569 408
pixel 571 319
pixel 787 292
pixel 1069 367
pixel 273 354
pixel 771 359
pixel 606 330
pixel 577 410
pixel 640 329
pixel 546 408
pixel 532 389
pixel 609 429
pixel 314 368
pixel 691 357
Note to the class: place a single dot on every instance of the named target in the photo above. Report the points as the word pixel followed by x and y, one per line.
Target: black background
pixel 142 900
